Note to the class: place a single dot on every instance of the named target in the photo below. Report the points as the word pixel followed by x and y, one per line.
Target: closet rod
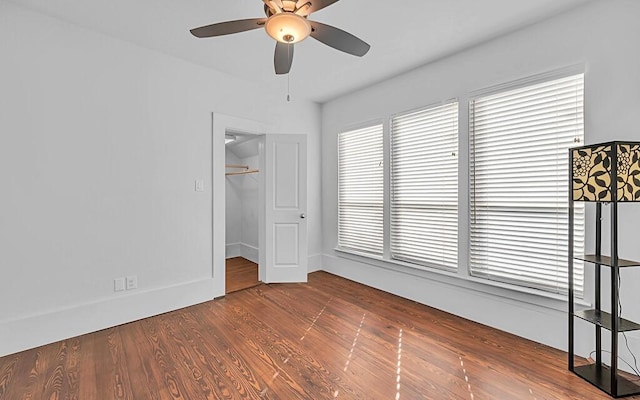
pixel 249 171
pixel 236 166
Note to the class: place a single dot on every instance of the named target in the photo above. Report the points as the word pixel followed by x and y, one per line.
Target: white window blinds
pixel 519 184
pixel 361 190
pixel 424 187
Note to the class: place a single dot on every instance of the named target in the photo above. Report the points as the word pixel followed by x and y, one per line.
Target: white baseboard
pixel 242 250
pixel 27 333
pixel 315 263
pixel 521 318
pixel 233 250
pixel 249 252
pixel 515 316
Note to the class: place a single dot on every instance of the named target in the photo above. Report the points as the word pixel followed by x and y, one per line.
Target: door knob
pixel 303 216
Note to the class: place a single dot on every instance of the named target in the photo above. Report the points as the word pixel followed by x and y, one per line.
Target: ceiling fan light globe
pixel 288 27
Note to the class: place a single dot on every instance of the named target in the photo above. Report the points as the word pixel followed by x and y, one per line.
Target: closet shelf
pixel 236 166
pixel 249 171
pixel 245 168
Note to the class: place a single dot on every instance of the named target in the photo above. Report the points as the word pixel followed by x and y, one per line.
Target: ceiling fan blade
pixel 229 27
pixel 283 58
pixel 316 5
pixel 338 39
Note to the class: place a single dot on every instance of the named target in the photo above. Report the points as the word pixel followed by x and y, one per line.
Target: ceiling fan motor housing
pixel 287 27
pixel 288 5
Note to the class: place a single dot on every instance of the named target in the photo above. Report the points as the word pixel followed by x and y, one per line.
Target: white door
pixel 285 199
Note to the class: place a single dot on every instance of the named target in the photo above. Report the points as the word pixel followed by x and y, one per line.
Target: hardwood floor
pixel 240 274
pixel 328 339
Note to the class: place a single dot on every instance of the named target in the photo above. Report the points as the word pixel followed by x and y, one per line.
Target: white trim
pixel 418 138
pixel 505 290
pixel 40 329
pixel 232 250
pixel 314 263
pixel 220 125
pixel 249 252
pixel 495 307
pixel 559 73
pixel 424 108
pixel 243 250
pixel 360 125
pixel 505 217
pixel 361 188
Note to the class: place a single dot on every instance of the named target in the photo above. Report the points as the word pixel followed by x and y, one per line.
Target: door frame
pixel 222 123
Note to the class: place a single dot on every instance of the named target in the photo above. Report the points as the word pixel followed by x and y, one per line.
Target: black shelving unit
pixel 601 188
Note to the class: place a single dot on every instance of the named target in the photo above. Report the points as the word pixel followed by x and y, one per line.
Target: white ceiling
pixel 402 34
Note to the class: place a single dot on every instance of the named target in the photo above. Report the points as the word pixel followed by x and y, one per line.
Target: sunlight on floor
pixel 355 341
pixel 315 319
pixel 466 378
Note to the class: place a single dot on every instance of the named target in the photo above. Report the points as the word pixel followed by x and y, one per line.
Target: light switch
pixel 118 284
pixel 199 185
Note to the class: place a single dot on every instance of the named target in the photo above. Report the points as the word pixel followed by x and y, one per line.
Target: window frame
pixel 454 103
pixel 386 254
pixel 355 128
pixel 503 88
pixel 461 278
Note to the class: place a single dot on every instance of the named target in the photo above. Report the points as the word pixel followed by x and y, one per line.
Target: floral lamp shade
pixel 594 167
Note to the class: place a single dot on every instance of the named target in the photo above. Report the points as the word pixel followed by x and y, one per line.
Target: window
pixel 361 190
pixel 519 183
pixel 424 186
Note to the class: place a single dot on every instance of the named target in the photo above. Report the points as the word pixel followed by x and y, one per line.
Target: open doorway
pixel 282 199
pixel 242 210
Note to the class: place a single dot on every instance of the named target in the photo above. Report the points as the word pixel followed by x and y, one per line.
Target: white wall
pixel 602 36
pixel 100 144
pixel 250 210
pixel 233 208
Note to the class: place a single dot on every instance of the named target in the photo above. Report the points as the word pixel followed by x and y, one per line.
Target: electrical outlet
pixel 132 282
pixel 118 284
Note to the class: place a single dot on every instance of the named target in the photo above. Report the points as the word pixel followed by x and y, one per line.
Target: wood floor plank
pixel 111 373
pixel 211 364
pixel 328 339
pixel 232 363
pixel 144 372
pixel 282 345
pixel 240 274
pixel 87 388
pixel 270 364
pixel 37 376
pixel 71 369
pixel 56 373
pixel 7 374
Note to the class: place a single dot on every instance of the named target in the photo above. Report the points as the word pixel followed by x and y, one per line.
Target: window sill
pixel 456 278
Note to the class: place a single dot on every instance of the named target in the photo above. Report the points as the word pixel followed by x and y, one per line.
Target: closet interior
pixel 242 210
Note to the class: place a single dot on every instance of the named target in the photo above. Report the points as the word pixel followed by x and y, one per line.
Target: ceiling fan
pixel 287 22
